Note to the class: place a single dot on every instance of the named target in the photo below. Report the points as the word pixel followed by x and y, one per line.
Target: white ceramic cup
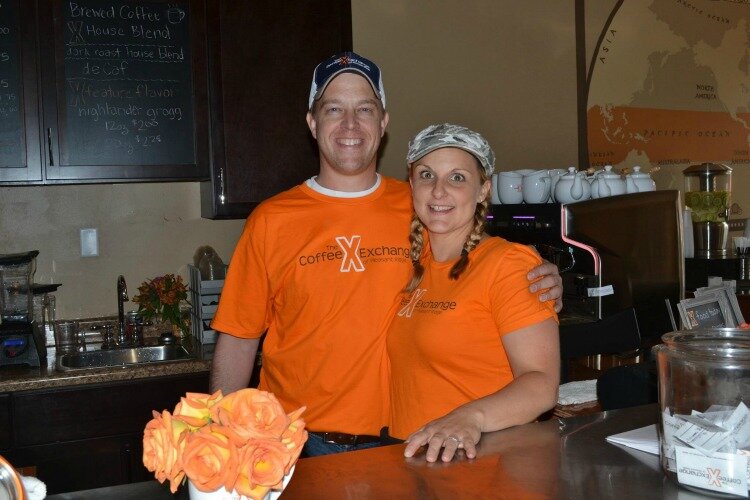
pixel 536 186
pixel 494 195
pixel 510 187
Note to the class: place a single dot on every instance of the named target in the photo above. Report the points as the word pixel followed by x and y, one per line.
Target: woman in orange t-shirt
pixel 471 349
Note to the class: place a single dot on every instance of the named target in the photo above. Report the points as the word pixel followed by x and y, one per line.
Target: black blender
pixel 21 339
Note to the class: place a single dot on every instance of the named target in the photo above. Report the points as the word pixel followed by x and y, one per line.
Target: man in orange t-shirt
pixel 318 267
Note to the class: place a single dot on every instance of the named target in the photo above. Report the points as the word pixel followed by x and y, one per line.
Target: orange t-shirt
pixel 445 340
pixel 321 273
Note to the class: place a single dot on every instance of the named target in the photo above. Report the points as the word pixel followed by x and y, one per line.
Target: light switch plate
pixel 89 242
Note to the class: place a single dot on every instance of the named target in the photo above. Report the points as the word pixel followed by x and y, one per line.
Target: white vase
pixel 220 494
pixel 223 494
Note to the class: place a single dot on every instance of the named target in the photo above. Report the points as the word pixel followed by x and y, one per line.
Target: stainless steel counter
pixel 554 459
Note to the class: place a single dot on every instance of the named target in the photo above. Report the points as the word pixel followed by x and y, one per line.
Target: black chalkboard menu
pixel 127 84
pixel 12 149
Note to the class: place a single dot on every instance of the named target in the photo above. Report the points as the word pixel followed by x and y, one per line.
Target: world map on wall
pixel 670 84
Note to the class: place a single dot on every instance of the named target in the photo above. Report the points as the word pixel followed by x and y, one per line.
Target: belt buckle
pixel 340 438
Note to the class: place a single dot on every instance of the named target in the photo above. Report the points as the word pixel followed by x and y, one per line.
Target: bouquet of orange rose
pixel 243 442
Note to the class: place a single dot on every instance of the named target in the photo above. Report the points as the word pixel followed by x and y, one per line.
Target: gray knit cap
pixel 448 135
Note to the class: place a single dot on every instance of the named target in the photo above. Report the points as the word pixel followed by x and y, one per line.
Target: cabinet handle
pixel 128 460
pixel 221 186
pixel 49 147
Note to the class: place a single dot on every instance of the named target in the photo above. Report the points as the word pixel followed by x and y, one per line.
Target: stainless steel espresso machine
pixel 21 339
pixel 620 258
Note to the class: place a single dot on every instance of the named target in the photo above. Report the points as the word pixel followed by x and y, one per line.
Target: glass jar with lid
pixel 704 398
pixel 708 188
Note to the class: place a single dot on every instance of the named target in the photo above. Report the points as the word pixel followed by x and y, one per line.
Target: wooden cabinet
pixel 122 95
pixel 261 56
pixel 5 432
pixel 96 103
pixel 84 464
pixel 90 436
pixel 20 144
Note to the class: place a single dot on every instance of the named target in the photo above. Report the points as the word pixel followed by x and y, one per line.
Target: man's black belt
pixel 345 439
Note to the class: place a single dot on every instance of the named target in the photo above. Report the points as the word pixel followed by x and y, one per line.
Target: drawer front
pixel 78 465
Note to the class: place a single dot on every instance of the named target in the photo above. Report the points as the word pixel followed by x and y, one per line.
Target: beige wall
pixel 145 230
pixel 504 68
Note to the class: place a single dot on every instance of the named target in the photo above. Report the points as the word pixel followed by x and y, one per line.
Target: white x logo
pixel 713 476
pixel 351 258
pixel 409 308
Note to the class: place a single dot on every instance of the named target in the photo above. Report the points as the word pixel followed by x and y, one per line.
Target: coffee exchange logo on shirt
pixel 414 302
pixel 354 256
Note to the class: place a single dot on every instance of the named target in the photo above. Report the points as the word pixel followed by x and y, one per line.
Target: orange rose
pixel 262 466
pixel 194 408
pixel 163 441
pixel 251 414
pixel 294 438
pixel 210 458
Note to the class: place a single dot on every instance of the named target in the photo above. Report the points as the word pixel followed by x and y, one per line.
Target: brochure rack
pixel 204 295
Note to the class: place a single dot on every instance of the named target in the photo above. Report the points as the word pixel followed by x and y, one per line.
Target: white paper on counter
pixel 653 462
pixel 643 439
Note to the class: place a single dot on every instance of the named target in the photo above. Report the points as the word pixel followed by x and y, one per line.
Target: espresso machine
pixel 540 225
pixel 620 259
pixel 21 339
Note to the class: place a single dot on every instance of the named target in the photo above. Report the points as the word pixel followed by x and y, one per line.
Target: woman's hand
pixel 460 429
pixel 546 277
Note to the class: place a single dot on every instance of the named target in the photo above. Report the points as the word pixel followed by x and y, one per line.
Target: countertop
pixel 559 458
pixel 23 378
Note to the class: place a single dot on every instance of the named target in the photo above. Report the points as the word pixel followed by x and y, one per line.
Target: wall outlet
pixel 737 224
pixel 89 242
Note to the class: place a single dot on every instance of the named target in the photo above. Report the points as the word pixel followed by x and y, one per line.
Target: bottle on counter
pixel 211 266
pixel 48 318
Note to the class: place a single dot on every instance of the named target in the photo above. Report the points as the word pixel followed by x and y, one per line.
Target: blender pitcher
pixel 707 190
pixel 16 277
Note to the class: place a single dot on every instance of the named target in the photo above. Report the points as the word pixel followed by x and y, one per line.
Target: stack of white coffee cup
pixel 541 186
pixel 525 186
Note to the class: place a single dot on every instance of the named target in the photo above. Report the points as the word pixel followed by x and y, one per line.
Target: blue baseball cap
pixel 346 62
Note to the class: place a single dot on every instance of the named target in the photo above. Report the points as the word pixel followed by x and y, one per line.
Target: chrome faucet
pixel 122 296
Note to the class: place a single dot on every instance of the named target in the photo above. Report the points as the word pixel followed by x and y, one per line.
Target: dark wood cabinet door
pixel 78 465
pixel 261 57
pixel 124 89
pixel 97 411
pixel 5 428
pixel 20 145
pixel 85 464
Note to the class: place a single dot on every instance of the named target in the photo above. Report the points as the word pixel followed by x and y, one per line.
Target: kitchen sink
pixel 123 356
